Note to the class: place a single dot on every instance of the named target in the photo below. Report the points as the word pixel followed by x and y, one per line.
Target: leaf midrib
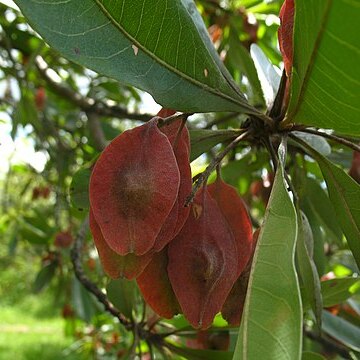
pixel 195 82
pixel 313 56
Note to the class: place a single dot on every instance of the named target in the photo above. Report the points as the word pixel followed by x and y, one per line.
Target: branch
pixel 87 104
pixel 338 139
pixel 214 163
pixel 87 283
pixel 170 119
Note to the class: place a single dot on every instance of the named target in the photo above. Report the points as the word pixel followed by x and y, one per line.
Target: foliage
pixel 286 143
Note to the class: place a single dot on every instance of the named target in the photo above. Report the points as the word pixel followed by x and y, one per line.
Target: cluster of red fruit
pixel 191 260
pixel 40 192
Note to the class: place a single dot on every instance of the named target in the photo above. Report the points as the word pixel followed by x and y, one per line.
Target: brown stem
pixel 87 283
pixel 338 139
pixel 170 119
pixel 218 158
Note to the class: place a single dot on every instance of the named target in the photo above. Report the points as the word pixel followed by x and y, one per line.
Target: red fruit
pixel 63 239
pixel 133 188
pixel 155 286
pixel 261 189
pixel 164 113
pixel 91 264
pixel 36 192
pixel 354 171
pixel 67 311
pixel 178 136
pixel 237 217
pixel 219 340
pixel 234 304
pixel 285 34
pixel 45 192
pixel 115 265
pixel 203 262
pixel 40 98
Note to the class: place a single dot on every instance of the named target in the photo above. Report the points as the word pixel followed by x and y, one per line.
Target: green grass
pixel 25 336
pixel 31 326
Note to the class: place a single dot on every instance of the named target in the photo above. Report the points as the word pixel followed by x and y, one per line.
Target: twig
pixel 204 175
pixel 338 139
pixel 87 283
pixel 168 120
pixel 274 158
pixel 87 104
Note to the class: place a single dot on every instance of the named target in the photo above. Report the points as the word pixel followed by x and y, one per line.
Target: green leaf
pixel 272 317
pixel 160 48
pixel 308 355
pixel 204 140
pixel 79 189
pixel 342 330
pixel 44 277
pixel 316 141
pixel 321 206
pixel 240 59
pixel 344 193
pixel 318 235
pixel 32 234
pixel 326 75
pixel 307 268
pixel 193 354
pixel 335 291
pixel 269 78
pixel 85 304
pixel 122 293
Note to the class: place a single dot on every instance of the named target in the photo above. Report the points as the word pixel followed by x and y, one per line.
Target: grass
pixel 31 326
pixel 26 336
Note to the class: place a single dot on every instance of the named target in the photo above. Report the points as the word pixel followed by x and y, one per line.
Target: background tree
pixel 286 141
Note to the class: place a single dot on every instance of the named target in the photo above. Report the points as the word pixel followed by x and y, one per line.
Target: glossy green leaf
pixel 162 49
pixel 321 206
pixel 122 293
pixel 335 291
pixel 272 317
pixel 85 304
pixel 203 140
pixel 44 277
pixel 240 59
pixel 307 268
pixel 33 234
pixel 193 354
pixel 355 304
pixel 344 193
pixel 79 189
pixel 308 355
pixel 316 141
pixel 268 76
pixel 326 75
pixel 342 330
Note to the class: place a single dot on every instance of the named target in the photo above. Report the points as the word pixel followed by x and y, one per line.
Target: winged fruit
pixel 204 257
pixel 128 203
pixel 133 187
